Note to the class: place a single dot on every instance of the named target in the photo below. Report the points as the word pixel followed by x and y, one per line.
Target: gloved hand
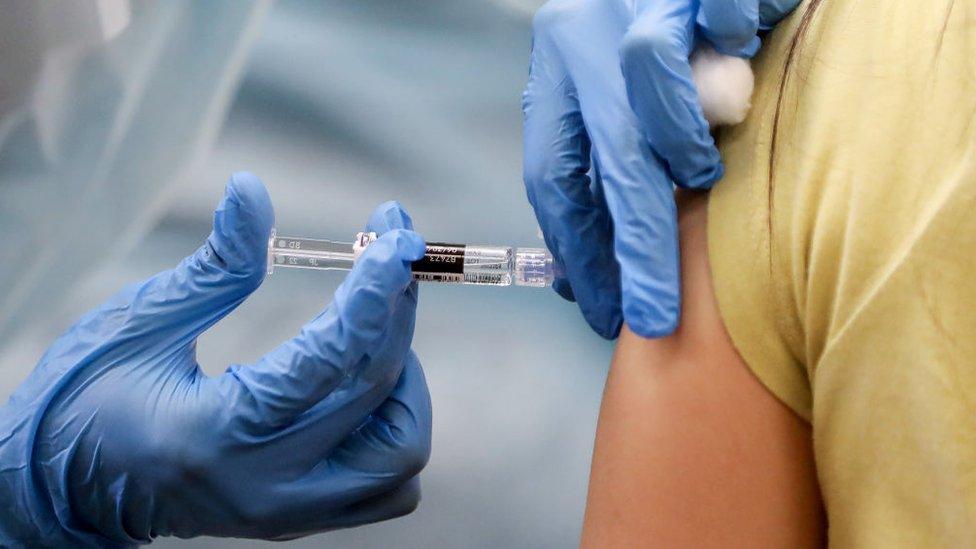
pixel 117 436
pixel 610 80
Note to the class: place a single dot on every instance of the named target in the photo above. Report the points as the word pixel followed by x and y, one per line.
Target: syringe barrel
pixel 464 264
pixel 443 262
pixel 308 253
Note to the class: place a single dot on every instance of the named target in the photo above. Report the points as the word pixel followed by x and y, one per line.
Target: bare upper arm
pixel 691 450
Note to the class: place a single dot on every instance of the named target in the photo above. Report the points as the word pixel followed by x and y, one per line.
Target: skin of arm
pixel 691 449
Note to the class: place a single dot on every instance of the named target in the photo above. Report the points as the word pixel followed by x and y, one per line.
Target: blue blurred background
pixel 337 106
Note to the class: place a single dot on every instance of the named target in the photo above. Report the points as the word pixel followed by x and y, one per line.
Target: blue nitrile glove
pixel 610 81
pixel 117 436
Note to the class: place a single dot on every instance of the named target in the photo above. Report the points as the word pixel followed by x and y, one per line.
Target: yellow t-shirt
pixel 843 254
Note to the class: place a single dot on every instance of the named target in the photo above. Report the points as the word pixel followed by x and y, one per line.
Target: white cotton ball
pixel 724 85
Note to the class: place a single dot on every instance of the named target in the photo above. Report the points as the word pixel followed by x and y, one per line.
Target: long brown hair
pixel 791 56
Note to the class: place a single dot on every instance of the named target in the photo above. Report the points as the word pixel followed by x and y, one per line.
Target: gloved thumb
pixel 241 226
pixel 204 287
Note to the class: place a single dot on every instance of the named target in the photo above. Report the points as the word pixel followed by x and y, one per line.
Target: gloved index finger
pixel 331 347
pixel 388 216
pixel 638 191
pixel 575 224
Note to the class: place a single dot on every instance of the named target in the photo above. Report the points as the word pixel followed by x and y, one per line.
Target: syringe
pixel 452 263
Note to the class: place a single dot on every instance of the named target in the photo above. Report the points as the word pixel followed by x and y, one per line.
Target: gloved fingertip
pixel 648 326
pixel 704 177
pixel 388 258
pixel 249 192
pixel 242 224
pixel 605 320
pixel 411 244
pixel 388 216
pixel 611 330
pixel 564 289
pixel 401 501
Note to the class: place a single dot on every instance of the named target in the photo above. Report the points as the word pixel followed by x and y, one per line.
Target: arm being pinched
pixel 613 119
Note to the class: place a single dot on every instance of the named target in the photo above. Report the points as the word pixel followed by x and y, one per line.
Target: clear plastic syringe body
pixel 450 263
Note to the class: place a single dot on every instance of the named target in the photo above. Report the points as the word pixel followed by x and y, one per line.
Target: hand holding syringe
pixel 452 263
